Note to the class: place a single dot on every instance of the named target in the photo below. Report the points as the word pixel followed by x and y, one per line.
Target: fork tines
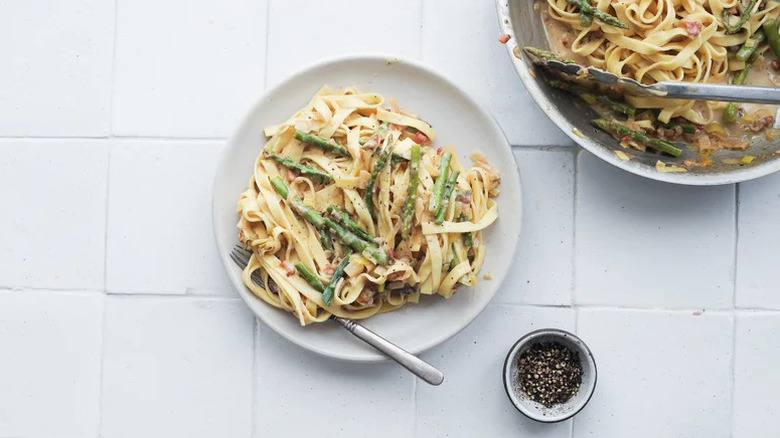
pixel 241 257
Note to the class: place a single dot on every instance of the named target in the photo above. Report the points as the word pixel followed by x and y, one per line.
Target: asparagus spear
pixel 411 196
pixel 320 142
pixel 441 181
pixel 377 136
pixel 661 145
pixel 374 252
pixel 368 196
pixel 749 48
pixel 730 113
pixel 305 169
pixel 330 289
pixel 742 20
pixel 448 188
pixel 547 55
pixel 325 240
pixel 343 218
pixel 592 96
pixel 770 30
pixel 309 276
pixel 468 239
pixel 587 9
pixel 686 127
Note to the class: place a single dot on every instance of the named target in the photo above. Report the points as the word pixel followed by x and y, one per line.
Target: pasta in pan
pixel 679 40
pixel 351 212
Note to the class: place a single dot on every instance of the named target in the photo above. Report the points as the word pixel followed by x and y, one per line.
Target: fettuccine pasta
pixel 678 40
pixel 351 212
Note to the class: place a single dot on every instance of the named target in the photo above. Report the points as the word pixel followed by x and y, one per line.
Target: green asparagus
pixel 468 239
pixel 448 188
pixel 384 155
pixel 730 113
pixel 343 218
pixel 304 169
pixel 325 240
pixel 587 9
pixel 373 251
pixel 658 144
pixel 749 48
pixel 377 136
pixel 330 289
pixel 687 128
pixel 441 181
pixel 593 96
pixel 547 55
pixel 411 196
pixel 770 31
pixel 310 277
pixel 320 142
pixel 742 20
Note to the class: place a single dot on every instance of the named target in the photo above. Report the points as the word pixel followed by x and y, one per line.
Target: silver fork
pixel 417 366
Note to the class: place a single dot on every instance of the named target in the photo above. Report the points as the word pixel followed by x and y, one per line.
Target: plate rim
pixel 251 300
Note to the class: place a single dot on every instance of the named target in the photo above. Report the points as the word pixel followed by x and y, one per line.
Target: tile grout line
pixel 112 92
pixel 111 111
pixel 575 194
pixel 421 31
pixel 733 361
pixel 267 40
pixel 254 407
pixel 112 137
pixel 105 218
pixel 102 366
pixel 733 370
pixel 736 244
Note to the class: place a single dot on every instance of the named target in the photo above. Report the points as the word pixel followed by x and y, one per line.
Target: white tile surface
pixel 182 363
pixel 757 273
pixel 472 400
pixel 755 375
pixel 461 38
pixel 298 393
pixel 645 243
pixel 177 367
pixel 661 374
pixel 160 238
pixel 56 75
pixel 50 366
pixel 297 39
pixel 543 262
pixel 187 68
pixel 53 194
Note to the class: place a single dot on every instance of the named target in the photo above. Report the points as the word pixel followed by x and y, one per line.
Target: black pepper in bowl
pixel 549 373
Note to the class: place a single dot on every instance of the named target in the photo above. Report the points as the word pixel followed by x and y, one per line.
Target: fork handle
pixel 417 366
pixel 719 92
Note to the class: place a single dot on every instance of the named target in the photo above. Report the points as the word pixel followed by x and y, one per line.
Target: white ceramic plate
pixel 458 120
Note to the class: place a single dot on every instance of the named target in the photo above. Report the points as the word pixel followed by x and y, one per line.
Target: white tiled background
pixel 116 319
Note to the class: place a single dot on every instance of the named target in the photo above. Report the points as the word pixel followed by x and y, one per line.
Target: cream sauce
pixel 560 38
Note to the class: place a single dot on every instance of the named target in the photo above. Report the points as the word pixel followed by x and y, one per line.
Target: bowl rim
pixel 529 338
pixel 389 58
pixel 685 178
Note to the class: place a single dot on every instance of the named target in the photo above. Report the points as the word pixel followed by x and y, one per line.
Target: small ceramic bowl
pixel 534 410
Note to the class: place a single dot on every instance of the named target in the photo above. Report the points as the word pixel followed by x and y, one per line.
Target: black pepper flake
pixel 549 373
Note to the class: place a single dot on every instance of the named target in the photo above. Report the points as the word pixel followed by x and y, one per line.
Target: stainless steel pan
pixel 522 22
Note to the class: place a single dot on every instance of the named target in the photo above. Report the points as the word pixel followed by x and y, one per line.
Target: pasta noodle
pixel 329 156
pixel 678 40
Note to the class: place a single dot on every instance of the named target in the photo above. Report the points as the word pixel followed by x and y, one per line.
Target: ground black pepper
pixel 549 373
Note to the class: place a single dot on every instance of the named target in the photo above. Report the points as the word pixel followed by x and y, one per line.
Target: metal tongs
pixel 665 89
